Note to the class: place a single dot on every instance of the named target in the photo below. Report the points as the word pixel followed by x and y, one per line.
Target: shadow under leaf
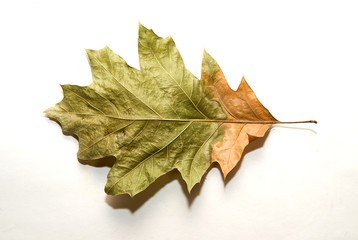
pixel 108 161
pixel 252 146
pixel 125 201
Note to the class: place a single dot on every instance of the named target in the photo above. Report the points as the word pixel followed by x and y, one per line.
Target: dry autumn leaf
pixel 159 118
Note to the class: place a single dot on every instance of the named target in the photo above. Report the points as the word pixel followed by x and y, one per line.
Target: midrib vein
pixel 190 120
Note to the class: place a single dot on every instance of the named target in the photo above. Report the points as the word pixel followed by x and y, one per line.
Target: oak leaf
pixel 159 118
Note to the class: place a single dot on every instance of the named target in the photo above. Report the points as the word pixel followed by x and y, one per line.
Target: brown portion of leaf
pixel 241 104
pixel 228 151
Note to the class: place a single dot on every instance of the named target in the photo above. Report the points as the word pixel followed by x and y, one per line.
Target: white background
pixel 299 182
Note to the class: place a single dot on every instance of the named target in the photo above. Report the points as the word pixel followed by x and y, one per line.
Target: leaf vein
pixel 146 159
pixel 126 87
pixel 161 65
pixel 106 137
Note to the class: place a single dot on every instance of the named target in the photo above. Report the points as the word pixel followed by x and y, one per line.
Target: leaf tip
pixel 209 64
pixel 243 84
pixel 142 28
pixel 243 80
pixel 190 188
pixel 225 173
pixel 46 111
pixel 206 55
pixel 108 189
pixel 64 86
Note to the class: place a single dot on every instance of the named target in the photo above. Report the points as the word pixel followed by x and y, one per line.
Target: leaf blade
pixel 158 118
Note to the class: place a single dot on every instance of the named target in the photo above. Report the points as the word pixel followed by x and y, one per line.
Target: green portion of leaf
pixel 142 117
pixel 164 146
pixel 179 91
